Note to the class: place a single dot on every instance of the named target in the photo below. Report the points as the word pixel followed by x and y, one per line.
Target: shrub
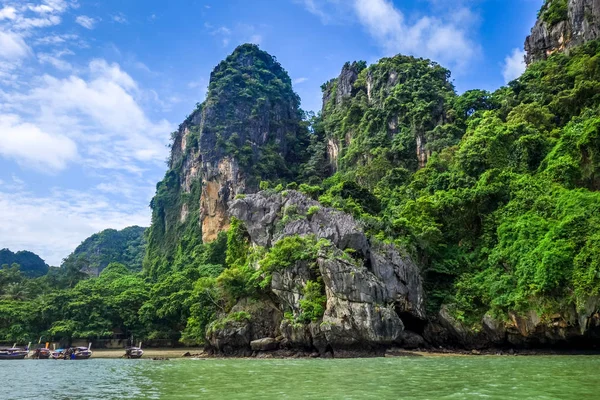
pixel 312 210
pixel 264 185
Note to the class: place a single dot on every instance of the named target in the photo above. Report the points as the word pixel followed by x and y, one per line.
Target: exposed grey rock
pixel 295 335
pixel 581 25
pixel 359 325
pixel 494 329
pixel 288 285
pixel 262 211
pixel 265 317
pixel 410 340
pixel 231 339
pixel 401 278
pixel 366 291
pixel 345 82
pixel 264 344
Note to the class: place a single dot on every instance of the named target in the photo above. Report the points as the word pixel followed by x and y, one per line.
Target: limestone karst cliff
pixel 398 103
pixel 404 214
pixel 562 25
pixel 248 129
pixel 371 291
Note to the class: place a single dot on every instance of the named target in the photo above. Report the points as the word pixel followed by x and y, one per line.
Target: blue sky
pixel 90 90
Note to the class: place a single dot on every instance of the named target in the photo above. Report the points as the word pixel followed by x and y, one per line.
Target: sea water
pixel 448 377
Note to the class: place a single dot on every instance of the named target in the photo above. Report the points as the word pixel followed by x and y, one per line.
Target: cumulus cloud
pixel 89 122
pixel 86 22
pixel 30 146
pixel 298 81
pixel 8 13
pixel 101 112
pixel 443 36
pixel 13 46
pixel 437 37
pixel 514 65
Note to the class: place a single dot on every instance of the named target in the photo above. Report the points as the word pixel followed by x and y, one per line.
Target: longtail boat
pixel 13 353
pixel 134 352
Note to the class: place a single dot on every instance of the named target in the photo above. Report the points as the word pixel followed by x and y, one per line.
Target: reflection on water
pixel 564 377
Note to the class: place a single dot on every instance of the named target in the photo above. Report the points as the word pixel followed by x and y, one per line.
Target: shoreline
pixel 200 353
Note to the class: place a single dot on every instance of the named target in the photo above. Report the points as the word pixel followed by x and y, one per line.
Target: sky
pixel 90 90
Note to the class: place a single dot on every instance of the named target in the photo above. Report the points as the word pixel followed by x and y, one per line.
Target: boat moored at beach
pixel 73 353
pixel 134 352
pixel 14 353
pixel 40 354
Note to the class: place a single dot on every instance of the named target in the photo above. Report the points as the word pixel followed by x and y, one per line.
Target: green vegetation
pixel 31 264
pixel 495 195
pixel 554 11
pixel 504 215
pixel 127 247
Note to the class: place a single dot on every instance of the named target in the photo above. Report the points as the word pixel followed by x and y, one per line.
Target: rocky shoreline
pixel 399 352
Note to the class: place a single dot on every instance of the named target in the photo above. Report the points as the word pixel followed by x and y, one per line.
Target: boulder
pixel 264 344
pixel 232 338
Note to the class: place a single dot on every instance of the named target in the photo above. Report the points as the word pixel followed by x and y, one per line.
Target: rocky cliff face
pixel 247 130
pixel 377 105
pixel 250 114
pixel 373 295
pixel 373 291
pixel 561 26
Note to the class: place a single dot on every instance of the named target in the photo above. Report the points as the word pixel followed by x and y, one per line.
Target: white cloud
pixel 31 147
pixel 8 13
pixel 89 123
pixel 514 65
pixel 86 22
pixel 298 81
pixel 328 11
pixel 119 18
pixel 40 22
pixel 100 112
pixel 443 38
pixel 444 34
pixel 41 8
pixel 52 40
pixel 55 61
pixel 52 225
pixel 13 46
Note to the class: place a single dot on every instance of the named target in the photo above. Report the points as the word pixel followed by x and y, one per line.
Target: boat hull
pixel 134 353
pixel 13 356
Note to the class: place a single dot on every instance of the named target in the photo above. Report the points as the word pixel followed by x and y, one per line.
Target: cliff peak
pixel 249 129
pixel 562 25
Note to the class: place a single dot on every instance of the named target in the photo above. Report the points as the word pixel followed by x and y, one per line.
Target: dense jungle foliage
pixel 127 246
pixel 503 217
pixel 31 264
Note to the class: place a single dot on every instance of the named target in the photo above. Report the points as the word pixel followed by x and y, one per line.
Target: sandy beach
pixel 148 353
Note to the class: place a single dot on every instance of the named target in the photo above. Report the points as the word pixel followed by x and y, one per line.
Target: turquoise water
pixel 536 377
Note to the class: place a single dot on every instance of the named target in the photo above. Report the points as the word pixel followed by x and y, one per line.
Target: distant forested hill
pixel 31 264
pixel 127 247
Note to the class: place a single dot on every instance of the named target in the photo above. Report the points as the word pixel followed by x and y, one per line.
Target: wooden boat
pixel 13 353
pixel 40 354
pixel 58 354
pixel 134 352
pixel 73 353
pixel 81 353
